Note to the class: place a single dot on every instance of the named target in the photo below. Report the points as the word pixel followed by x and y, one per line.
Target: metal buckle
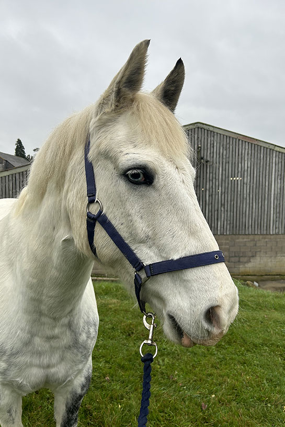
pixel 150 327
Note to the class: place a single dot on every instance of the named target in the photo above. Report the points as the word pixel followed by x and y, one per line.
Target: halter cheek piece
pixel 142 272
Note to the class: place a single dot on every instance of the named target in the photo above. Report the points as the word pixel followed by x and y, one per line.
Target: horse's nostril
pixel 212 317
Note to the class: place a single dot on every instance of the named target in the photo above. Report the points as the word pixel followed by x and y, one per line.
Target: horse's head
pixel 144 179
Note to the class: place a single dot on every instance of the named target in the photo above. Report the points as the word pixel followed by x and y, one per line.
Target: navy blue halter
pixel 142 272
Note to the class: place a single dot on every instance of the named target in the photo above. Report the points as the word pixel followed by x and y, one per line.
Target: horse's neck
pixel 49 269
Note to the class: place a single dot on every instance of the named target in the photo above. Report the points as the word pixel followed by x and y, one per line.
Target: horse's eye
pixel 139 177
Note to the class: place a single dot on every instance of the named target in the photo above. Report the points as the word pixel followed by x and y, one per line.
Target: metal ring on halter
pixel 144 278
pixel 150 344
pixel 96 201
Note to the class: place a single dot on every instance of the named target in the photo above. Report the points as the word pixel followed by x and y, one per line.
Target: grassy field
pixel 239 382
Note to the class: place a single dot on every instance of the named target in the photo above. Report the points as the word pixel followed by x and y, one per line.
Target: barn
pixel 13 180
pixel 240 188
pixel 241 191
pixel 13 174
pixel 7 162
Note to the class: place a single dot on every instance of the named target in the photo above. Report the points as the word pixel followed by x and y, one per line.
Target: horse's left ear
pixel 169 90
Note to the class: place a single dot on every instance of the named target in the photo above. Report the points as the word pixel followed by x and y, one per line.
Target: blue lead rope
pixel 147 360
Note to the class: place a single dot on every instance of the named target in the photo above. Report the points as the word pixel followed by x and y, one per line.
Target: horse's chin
pixel 186 341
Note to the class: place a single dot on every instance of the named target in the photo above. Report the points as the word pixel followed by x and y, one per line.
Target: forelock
pixel 160 127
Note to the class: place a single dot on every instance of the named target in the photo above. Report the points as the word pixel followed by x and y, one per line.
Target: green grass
pixel 239 382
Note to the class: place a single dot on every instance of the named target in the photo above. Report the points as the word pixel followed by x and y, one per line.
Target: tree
pixel 20 149
pixel 31 158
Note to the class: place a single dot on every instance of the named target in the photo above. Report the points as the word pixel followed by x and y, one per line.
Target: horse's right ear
pixel 127 82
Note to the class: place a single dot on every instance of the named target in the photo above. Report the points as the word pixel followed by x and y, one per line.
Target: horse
pixel 144 182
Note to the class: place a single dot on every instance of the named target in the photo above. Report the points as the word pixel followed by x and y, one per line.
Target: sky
pixel 57 57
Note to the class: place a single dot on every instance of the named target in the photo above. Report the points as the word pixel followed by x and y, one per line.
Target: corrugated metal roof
pixel 234 135
pixel 15 161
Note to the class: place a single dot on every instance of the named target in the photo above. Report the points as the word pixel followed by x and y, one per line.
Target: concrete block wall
pixel 254 255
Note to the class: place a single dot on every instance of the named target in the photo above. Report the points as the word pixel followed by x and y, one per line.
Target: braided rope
pixel 147 360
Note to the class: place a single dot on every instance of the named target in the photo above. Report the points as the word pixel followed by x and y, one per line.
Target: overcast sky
pixel 56 57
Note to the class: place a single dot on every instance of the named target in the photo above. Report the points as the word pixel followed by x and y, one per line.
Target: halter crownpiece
pixel 142 272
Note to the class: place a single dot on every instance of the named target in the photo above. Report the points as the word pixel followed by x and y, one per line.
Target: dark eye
pixel 139 177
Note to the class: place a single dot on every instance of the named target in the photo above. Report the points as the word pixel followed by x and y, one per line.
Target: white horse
pixel 48 314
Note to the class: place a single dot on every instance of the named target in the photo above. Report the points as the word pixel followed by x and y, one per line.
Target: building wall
pixel 4 165
pixel 254 255
pixel 13 181
pixel 240 188
pixel 239 181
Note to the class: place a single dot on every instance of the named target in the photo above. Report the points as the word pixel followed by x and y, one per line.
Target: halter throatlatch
pixel 142 272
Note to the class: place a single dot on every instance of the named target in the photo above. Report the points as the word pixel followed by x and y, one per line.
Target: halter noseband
pixel 142 272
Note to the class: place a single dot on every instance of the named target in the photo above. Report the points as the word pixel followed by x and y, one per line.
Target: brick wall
pixel 254 255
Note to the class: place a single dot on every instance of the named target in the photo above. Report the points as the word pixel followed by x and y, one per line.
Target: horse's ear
pixel 127 82
pixel 169 90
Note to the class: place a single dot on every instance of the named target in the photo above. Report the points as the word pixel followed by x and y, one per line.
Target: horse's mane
pixel 53 158
pixel 157 123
